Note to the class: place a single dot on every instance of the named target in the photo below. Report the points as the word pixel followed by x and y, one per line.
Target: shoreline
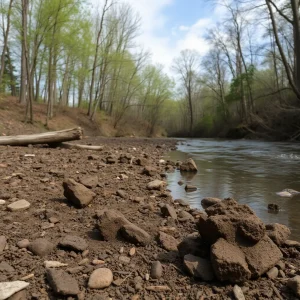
pixel 37 175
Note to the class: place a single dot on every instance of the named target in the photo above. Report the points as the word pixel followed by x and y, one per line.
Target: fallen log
pixel 83 147
pixel 53 137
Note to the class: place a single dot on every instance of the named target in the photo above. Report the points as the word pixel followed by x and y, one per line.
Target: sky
pixel 169 26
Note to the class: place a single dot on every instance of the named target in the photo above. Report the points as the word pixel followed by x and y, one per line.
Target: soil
pixel 36 174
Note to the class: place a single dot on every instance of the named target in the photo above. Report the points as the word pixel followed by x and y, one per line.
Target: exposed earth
pixel 103 225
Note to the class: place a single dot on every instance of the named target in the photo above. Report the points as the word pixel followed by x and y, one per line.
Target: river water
pixel 249 171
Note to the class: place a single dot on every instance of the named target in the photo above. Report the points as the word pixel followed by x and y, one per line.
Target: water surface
pixel 249 171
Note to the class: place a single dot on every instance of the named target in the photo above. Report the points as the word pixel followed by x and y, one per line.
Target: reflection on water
pixel 249 171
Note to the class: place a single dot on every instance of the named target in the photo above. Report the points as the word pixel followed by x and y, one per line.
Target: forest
pixel 67 53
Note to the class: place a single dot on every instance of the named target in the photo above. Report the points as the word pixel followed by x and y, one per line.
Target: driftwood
pixel 54 137
pixel 83 147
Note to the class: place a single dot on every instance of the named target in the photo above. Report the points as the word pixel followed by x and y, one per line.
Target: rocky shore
pixel 77 224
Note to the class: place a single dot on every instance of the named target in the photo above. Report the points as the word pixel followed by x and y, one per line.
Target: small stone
pixel 46 225
pixel 121 194
pixel 273 273
pixel 180 182
pixel 188 166
pixel 83 262
pixel 23 244
pixel 97 262
pixel 209 201
pixel 147 277
pixel 168 242
pixel 18 205
pixel 238 293
pixel 3 243
pixel 54 264
pixel 22 295
pixel 132 251
pixel 135 235
pixel 62 283
pixel 124 259
pixel 85 253
pixel 190 188
pixel 156 185
pixel 41 247
pixel 281 265
pixel 90 181
pixel 182 202
pixel 168 210
pixel 54 220
pixel 156 270
pixel 74 242
pixel 121 250
pixel 294 284
pixel 8 289
pixel 100 278
pixel 2 202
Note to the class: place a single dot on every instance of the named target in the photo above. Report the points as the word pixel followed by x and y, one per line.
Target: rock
pixel 262 256
pixel 209 201
pixel 5 267
pixel 8 289
pixel 167 241
pixel 110 222
pixel 124 259
pixel 54 264
pixel 89 181
pixel 3 243
pixel 169 211
pixel 100 278
pixel 281 265
pixel 182 202
pixel 184 216
pixel 190 188
pixel 2 202
pixel 294 284
pixel 273 273
pixel 121 194
pixel 74 243
pixel 23 244
pixel 62 283
pixel 199 267
pixel 135 235
pixel 238 293
pixel 156 270
pixel 132 251
pixel 141 162
pixel 278 233
pixel 180 182
pixel 290 243
pixel 77 193
pixel 22 295
pixel 188 166
pixel 251 228
pixel 229 262
pixel 18 205
pixel 156 185
pixel 41 247
pixel 149 171
pixel 273 207
pixel 194 246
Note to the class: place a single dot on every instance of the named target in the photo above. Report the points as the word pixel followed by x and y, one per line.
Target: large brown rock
pixel 110 222
pixel 188 166
pixel 74 243
pixel 135 234
pixel 167 241
pixel 229 262
pixel 262 256
pixel 77 193
pixel 278 233
pixel 41 247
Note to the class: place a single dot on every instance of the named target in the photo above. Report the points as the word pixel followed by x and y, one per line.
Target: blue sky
pixel 169 26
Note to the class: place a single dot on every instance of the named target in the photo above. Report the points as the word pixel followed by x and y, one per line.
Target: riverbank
pixel 119 178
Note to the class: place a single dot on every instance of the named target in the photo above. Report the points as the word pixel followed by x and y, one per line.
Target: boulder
pixel 41 247
pixel 77 193
pixel 110 222
pixel 156 185
pixel 229 262
pixel 188 166
pixel 199 267
pixel 167 241
pixel 74 243
pixel 62 283
pixel 278 233
pixel 100 278
pixel 262 256
pixel 135 235
pixel 209 201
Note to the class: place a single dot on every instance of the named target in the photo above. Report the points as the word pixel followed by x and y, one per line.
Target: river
pixel 249 171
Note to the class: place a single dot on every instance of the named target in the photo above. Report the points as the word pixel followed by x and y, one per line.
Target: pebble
pixel 8 289
pixel 273 273
pixel 147 277
pixel 5 267
pixel 3 243
pixel 156 270
pixel 85 253
pixel 294 284
pixel 97 262
pixel 2 202
pixel 85 261
pixel 74 243
pixel 54 264
pixel 41 247
pixel 18 205
pixel 124 259
pixel 238 293
pixel 23 244
pixel 132 251
pixel 100 278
